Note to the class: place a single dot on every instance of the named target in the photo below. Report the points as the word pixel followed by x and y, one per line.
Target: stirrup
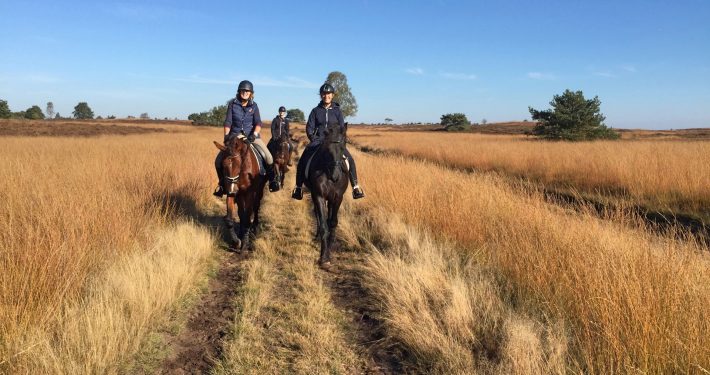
pixel 357 192
pixel 274 186
pixel 297 193
pixel 218 192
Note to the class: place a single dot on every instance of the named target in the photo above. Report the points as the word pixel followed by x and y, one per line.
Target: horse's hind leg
pixel 257 207
pixel 320 208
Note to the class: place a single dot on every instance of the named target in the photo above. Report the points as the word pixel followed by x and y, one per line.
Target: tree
pixel 144 116
pixel 83 111
pixel 34 113
pixel 388 120
pixel 455 122
pixel 484 121
pixel 4 109
pixel 572 118
pixel 57 116
pixel 296 115
pixel 343 96
pixel 50 110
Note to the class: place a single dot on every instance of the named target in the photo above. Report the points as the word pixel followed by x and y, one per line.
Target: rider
pixel 243 117
pixel 279 127
pixel 326 114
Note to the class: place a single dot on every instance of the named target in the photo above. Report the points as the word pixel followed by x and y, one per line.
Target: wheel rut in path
pixel 196 348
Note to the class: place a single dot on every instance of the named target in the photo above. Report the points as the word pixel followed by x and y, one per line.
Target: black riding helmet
pixel 326 88
pixel 245 85
pixel 282 109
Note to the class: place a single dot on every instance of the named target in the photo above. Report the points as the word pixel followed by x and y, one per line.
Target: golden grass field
pixel 667 175
pixel 460 272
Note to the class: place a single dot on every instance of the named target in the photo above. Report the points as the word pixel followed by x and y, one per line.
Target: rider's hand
pixel 251 137
pixel 226 138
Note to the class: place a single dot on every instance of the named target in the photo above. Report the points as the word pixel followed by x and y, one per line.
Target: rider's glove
pixel 251 137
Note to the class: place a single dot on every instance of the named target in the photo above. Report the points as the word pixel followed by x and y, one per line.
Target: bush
pixel 213 117
pixel 572 118
pixel 34 113
pixel 455 122
pixel 296 115
pixel 4 109
pixel 83 111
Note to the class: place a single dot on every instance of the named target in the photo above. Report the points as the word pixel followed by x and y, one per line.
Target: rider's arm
pixel 311 125
pixel 228 119
pixel 257 121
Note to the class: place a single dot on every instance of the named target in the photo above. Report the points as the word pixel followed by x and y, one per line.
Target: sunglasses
pixel 241 91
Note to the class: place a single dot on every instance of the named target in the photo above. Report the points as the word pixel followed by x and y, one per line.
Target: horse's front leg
pixel 245 210
pixel 231 224
pixel 320 208
pixel 333 209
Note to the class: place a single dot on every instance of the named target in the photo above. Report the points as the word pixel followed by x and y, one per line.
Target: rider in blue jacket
pixel 326 114
pixel 243 118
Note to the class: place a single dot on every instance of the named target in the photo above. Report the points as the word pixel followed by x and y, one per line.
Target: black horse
pixel 327 179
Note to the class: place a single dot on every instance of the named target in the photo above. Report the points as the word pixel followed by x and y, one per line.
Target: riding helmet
pixel 282 109
pixel 326 88
pixel 245 85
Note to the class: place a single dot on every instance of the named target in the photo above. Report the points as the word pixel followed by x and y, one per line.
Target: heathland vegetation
pixel 670 176
pixel 441 270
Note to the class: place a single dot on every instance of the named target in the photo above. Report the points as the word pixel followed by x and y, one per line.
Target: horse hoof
pixel 325 265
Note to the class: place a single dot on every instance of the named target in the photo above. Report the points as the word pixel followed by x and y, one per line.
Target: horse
pixel 281 149
pixel 244 185
pixel 327 180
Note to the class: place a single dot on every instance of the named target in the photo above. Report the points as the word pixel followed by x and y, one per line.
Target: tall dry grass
pixel 446 308
pixel 629 301
pixel 72 211
pixel 667 175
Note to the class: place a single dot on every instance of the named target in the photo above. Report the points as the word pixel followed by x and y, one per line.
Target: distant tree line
pixel 81 111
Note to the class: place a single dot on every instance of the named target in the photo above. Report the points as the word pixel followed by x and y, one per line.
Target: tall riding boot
pixel 274 184
pixel 357 190
pixel 300 176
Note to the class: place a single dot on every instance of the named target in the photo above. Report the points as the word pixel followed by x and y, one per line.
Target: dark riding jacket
pixel 322 118
pixel 279 126
pixel 242 118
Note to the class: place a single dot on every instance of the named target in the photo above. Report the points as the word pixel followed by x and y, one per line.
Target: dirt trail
pixel 199 345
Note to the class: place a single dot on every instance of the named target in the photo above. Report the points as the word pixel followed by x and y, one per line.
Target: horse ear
pixel 220 146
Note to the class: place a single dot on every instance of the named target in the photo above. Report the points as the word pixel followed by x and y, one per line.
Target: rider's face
pixel 327 97
pixel 244 94
pixel 282 114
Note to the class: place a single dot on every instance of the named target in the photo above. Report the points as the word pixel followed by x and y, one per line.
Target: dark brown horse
pixel 281 150
pixel 243 185
pixel 327 179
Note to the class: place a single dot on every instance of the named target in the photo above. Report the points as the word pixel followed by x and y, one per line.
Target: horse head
pixel 334 142
pixel 234 163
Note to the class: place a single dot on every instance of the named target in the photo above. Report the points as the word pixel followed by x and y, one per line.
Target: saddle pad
pixel 259 159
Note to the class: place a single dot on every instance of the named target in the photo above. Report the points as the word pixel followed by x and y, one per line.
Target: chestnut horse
pixel 327 179
pixel 243 185
pixel 281 150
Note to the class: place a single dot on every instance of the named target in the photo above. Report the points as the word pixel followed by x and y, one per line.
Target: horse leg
pixel 320 208
pixel 230 222
pixel 333 209
pixel 257 206
pixel 244 222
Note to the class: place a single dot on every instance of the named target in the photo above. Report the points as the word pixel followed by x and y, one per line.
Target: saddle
pixel 308 163
pixel 260 157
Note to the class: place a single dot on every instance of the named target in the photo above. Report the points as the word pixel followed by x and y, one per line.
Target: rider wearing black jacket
pixel 326 115
pixel 280 125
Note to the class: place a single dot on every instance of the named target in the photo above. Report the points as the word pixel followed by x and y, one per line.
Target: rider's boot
pixel 274 184
pixel 297 193
pixel 357 190
pixel 218 192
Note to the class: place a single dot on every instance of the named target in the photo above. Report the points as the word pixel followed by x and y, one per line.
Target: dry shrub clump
pixel 446 308
pixel 630 300
pixel 666 175
pixel 71 208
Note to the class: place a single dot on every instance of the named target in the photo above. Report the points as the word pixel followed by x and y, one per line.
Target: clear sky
pixel 648 61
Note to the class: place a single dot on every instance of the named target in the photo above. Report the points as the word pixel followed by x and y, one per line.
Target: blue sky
pixel 648 61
